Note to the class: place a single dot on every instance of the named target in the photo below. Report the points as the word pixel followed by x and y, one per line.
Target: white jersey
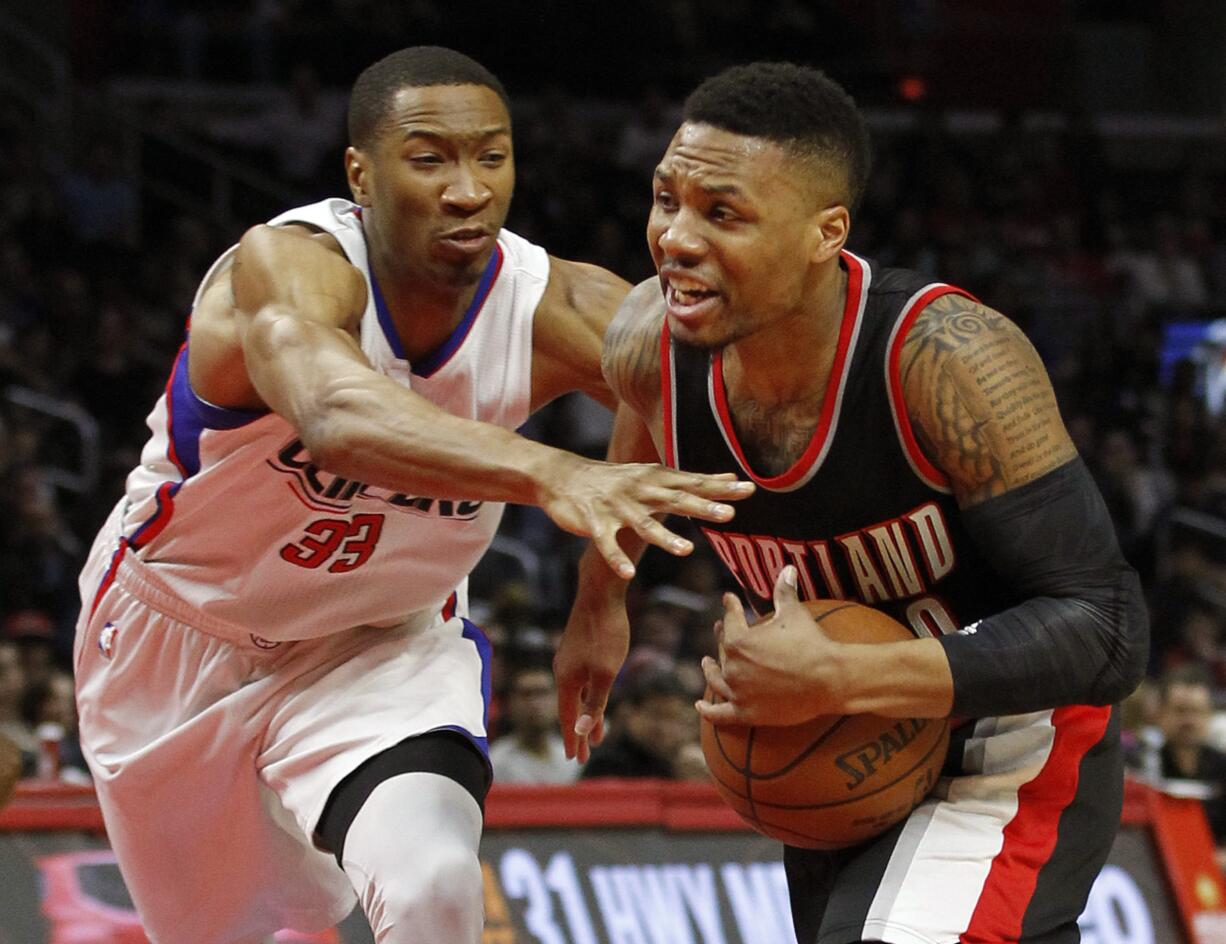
pixel 229 515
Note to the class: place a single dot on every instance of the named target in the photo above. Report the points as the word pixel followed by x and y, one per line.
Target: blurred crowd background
pixel 1064 161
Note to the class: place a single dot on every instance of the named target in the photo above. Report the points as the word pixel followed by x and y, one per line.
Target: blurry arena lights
pixel 912 88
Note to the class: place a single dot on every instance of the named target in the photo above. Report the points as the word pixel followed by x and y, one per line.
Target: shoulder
pixel 979 398
pixel 581 290
pixel 631 359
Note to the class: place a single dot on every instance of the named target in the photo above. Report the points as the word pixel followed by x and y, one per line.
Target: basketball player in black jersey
pixel 909 454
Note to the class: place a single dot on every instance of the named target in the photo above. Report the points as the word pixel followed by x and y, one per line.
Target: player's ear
pixel 357 170
pixel 830 229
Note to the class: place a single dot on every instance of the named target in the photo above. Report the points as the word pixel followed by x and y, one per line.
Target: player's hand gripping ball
pixel 831 781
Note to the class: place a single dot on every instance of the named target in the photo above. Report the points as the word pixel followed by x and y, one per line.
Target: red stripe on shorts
pixel 1030 837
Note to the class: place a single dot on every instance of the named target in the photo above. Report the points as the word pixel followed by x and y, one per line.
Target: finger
pixel 734 613
pixel 785 587
pixel 715 678
pixel 653 532
pixel 605 540
pixel 568 709
pixel 583 748
pixel 723 713
pixel 692 506
pixel 723 485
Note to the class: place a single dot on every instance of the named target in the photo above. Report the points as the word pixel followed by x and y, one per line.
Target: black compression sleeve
pixel 1082 636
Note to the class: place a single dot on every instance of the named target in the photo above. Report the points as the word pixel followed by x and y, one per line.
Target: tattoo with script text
pixel 979 399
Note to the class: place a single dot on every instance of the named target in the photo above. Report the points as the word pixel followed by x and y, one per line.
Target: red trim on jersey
pixel 165 495
pixel 1030 837
pixel 449 607
pixel 933 476
pixel 109 577
pixel 666 393
pixel 851 314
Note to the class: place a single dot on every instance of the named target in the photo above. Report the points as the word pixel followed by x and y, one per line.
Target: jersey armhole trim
pixel 920 464
pixel 668 396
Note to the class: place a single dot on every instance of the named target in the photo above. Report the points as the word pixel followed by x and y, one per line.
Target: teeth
pixel 689 297
pixel 684 285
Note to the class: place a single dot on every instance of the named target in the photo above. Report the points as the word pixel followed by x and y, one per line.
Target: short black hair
pixel 798 107
pixel 414 67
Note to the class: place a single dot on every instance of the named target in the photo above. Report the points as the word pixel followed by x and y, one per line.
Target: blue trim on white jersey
pixel 190 416
pixel 436 359
pixel 485 651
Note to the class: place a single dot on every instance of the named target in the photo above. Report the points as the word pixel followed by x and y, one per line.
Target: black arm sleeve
pixel 1082 634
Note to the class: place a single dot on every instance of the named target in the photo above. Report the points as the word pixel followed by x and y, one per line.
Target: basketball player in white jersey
pixel 275 675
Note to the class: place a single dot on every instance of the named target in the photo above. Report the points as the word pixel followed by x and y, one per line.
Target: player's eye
pixel 664 200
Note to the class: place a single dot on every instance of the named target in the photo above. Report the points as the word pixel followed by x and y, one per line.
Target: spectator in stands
pixel 50 706
pixel 12 695
pixel 531 750
pixel 1185 712
pixel 1200 640
pixel 651 726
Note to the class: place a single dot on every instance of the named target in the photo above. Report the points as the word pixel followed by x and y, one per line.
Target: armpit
pixel 979 399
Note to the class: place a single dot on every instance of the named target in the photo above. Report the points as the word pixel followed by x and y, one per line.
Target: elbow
pixel 330 434
pixel 1128 657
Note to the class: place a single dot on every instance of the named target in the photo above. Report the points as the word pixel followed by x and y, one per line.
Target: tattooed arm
pixel 631 358
pixel 983 409
pixel 979 400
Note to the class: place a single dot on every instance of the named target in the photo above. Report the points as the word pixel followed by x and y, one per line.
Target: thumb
pixel 785 587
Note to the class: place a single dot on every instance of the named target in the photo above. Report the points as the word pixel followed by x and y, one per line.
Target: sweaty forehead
pixel 707 153
pixel 451 110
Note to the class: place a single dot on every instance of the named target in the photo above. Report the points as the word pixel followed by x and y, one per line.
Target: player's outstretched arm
pixel 296 305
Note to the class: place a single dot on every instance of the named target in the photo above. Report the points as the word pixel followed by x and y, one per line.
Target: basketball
pixel 831 781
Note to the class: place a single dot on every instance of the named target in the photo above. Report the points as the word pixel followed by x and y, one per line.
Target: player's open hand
pixel 589 656
pixel 777 671
pixel 599 499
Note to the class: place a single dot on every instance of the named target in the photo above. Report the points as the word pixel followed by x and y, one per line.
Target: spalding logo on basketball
pixel 832 781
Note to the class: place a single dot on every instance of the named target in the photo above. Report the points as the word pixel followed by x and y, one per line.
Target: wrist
pixel 597 582
pixel 548 470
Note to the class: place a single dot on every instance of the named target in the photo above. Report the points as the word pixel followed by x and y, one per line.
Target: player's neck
pixel 766 366
pixel 424 313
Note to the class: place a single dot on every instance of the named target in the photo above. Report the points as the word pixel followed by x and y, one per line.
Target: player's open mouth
pixel 688 299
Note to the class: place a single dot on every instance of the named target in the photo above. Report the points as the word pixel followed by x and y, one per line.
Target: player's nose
pixel 680 240
pixel 466 191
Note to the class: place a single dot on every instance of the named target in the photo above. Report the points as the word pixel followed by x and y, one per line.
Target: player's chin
pixel 705 333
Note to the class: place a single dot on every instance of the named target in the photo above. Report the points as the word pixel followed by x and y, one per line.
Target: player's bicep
pixel 568 330
pixel 979 400
pixel 295 272
pixel 297 304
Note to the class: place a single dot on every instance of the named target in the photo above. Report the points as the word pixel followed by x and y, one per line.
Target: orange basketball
pixel 831 781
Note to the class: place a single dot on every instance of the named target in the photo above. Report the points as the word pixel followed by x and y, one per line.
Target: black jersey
pixel 862 513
